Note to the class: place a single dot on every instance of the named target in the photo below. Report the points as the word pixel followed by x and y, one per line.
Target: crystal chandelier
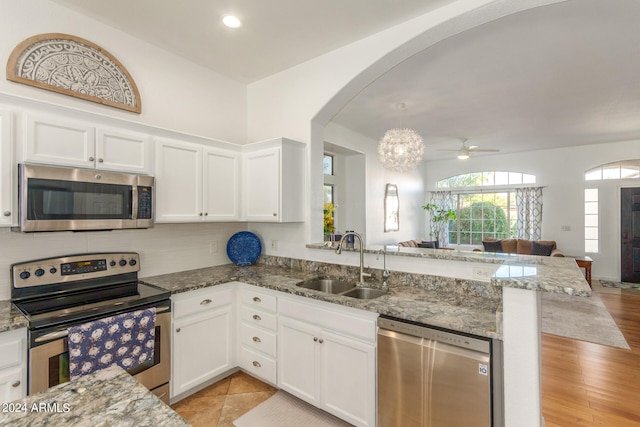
pixel 400 149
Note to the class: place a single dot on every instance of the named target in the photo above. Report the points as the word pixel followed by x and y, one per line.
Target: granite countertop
pixel 465 313
pixel 109 397
pixel 10 318
pixel 541 273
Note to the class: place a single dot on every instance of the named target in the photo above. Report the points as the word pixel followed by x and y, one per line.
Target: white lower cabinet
pixel 13 365
pixel 327 357
pixel 257 332
pixel 203 337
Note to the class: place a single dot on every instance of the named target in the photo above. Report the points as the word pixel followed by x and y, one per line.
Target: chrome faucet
pixel 339 251
pixel 385 273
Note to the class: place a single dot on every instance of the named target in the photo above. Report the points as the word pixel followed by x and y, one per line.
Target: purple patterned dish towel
pixel 127 340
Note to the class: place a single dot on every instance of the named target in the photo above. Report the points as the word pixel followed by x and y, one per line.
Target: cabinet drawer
pixel 258 339
pixel 10 352
pixel 253 316
pixel 260 300
pixel 257 364
pixel 201 300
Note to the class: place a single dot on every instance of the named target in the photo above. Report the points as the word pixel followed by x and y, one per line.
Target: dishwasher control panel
pixel 426 332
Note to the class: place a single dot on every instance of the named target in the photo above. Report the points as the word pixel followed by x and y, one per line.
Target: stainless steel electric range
pixel 55 294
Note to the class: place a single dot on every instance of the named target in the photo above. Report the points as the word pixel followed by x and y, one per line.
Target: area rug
pixel 621 285
pixel 580 318
pixel 284 410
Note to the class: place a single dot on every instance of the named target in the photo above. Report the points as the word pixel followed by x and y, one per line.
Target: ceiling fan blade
pixel 443 149
pixel 473 147
pixel 488 150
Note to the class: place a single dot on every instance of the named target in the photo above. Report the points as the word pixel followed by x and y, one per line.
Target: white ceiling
pixel 561 75
pixel 276 34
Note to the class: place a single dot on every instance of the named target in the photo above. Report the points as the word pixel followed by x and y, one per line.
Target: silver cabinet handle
pixel 275 214
pixel 256 339
pixel 200 214
pixel 205 301
pixel 321 340
pixel 100 161
pixel 6 213
pixel 206 214
pixel 256 317
pixel 256 299
pixel 315 339
pixel 16 384
pixel 91 158
pixel 178 329
pixel 256 364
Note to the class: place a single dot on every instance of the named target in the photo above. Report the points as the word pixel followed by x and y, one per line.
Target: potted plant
pixel 439 218
pixel 329 227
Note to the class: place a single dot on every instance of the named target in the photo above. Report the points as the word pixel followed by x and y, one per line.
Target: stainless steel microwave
pixel 58 198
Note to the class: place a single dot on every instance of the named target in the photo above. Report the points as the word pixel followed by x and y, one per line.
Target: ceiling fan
pixel 464 150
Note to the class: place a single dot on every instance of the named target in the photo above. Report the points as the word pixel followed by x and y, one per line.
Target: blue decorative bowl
pixel 244 248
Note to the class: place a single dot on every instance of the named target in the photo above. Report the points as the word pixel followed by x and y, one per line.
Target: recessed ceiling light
pixel 231 21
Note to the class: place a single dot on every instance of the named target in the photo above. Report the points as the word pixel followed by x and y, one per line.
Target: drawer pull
pixel 256 317
pixel 321 340
pixel 178 330
pixel 16 384
pixel 256 364
pixel 205 301
pixel 256 299
pixel 315 339
pixel 256 339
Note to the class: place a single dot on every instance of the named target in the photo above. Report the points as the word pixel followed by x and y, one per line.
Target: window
pixel 327 164
pixel 624 169
pixel 483 215
pixel 591 220
pixel 488 178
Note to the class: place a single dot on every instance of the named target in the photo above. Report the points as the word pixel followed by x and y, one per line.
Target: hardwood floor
pixel 586 384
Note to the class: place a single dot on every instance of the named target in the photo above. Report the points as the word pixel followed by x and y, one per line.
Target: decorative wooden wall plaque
pixel 76 67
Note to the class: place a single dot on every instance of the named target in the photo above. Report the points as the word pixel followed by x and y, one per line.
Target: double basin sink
pixel 341 287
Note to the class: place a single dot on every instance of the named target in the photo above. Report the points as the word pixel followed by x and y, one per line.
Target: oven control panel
pixel 73 268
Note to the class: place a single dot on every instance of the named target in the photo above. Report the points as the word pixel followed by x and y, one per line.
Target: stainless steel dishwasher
pixel 434 378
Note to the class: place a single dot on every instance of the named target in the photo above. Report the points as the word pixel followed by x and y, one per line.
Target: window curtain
pixel 444 200
pixel 529 205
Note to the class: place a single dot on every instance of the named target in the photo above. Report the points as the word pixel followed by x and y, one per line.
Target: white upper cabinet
pixel 119 150
pixel 7 211
pixel 55 140
pixel 196 183
pixel 273 181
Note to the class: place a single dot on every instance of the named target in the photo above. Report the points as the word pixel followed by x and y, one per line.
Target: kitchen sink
pixel 332 286
pixel 364 293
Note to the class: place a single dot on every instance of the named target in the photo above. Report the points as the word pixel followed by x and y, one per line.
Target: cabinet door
pixel 202 348
pixel 221 173
pixel 54 141
pixel 178 182
pixel 298 362
pixel 261 190
pixel 7 211
pixel 122 151
pixel 11 385
pixel 347 379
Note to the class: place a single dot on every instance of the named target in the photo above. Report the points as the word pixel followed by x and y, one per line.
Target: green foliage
pixel 481 218
pixel 439 215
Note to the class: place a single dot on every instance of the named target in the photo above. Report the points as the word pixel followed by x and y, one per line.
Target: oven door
pixel 49 362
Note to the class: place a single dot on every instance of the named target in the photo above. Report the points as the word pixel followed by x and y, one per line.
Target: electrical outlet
pixel 213 247
pixel 565 227
pixel 481 273
pixel 274 245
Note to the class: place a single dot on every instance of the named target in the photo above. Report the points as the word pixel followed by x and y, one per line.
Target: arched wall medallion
pixel 73 66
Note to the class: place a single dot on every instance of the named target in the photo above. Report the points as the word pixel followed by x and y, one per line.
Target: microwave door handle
pixel 134 202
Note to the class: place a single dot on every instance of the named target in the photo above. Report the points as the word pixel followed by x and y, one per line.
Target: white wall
pixel 298 102
pixel 561 172
pixel 176 94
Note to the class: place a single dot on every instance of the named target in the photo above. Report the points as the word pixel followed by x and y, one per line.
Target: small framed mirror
pixel 391 208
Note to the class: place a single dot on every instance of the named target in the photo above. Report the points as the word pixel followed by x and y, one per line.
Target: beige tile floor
pixel 223 402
